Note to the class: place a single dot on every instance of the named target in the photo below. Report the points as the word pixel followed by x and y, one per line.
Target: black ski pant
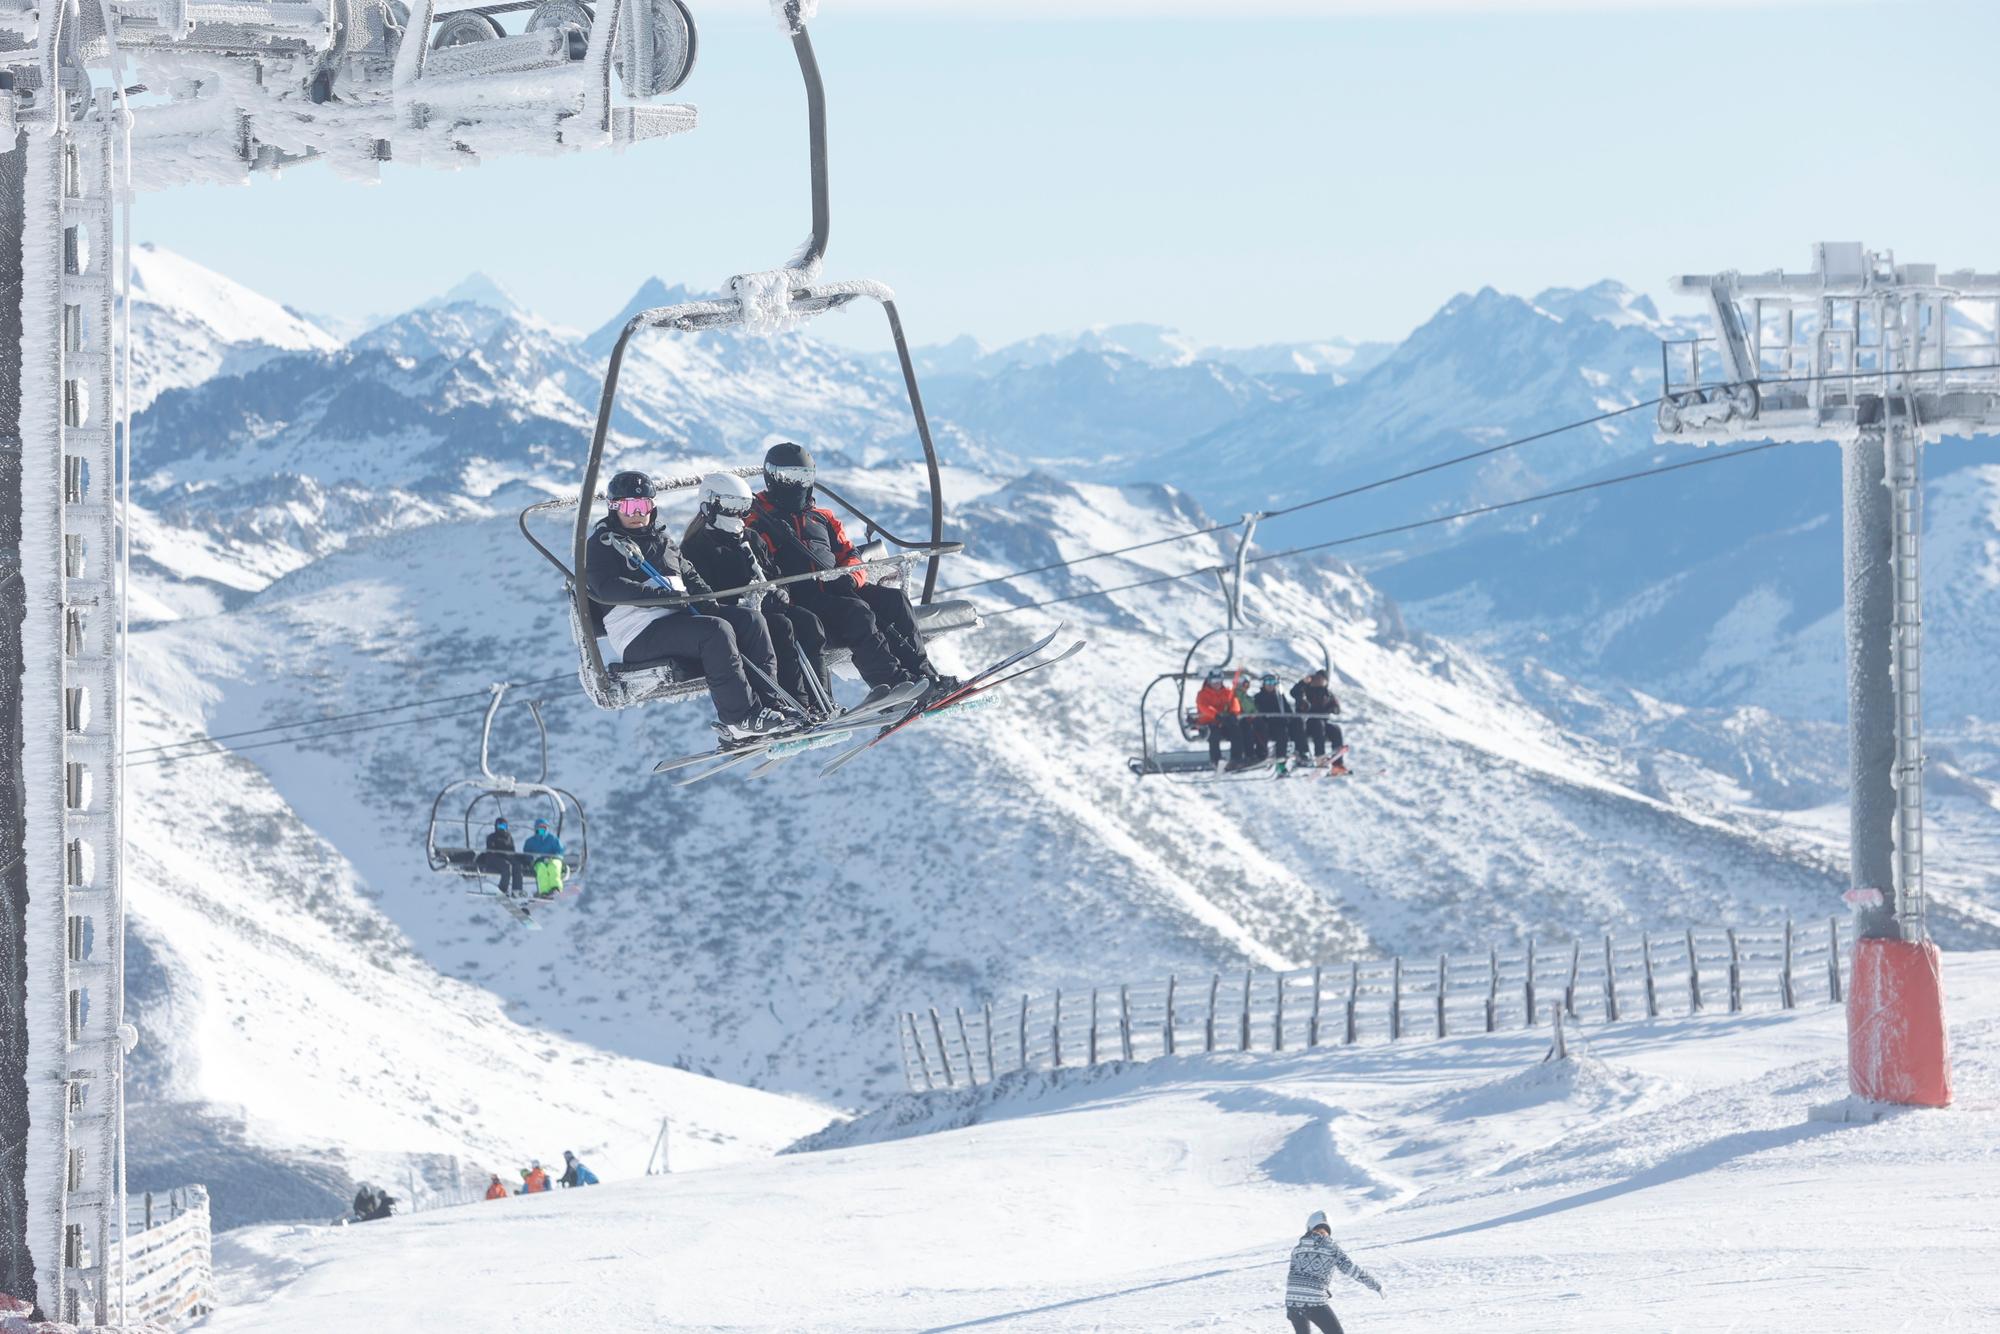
pixel 1258 736
pixel 1303 1319
pixel 849 623
pixel 898 623
pixel 711 641
pixel 1321 731
pixel 795 632
pixel 508 866
pixel 1223 729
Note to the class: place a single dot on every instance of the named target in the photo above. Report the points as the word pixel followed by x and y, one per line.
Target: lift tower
pixel 99 98
pixel 1880 357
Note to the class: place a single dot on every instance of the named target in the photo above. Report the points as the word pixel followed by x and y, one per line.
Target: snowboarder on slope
pixel 497 1189
pixel 1217 709
pixel 501 858
pixel 574 1172
pixel 802 538
pixel 630 558
pixel 724 554
pixel 1309 1282
pixel 1312 697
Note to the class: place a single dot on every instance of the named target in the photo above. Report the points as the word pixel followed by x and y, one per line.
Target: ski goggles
pixel 633 507
pixel 791 476
pixel 737 505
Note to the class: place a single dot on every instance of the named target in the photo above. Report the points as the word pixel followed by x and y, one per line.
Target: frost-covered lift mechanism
pixel 1880 357
pixel 454 843
pixel 1189 765
pixel 767 302
pixel 98 97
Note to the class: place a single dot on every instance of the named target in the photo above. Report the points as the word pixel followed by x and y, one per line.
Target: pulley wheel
pixel 571 14
pixel 462 27
pixel 669 30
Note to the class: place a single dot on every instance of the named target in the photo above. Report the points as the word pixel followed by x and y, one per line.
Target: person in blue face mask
pixel 501 859
pixel 546 850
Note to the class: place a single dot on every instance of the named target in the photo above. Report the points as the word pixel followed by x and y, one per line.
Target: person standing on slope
pixel 802 538
pixel 1309 1281
pixel 574 1172
pixel 723 553
pixel 1312 698
pixel 534 1180
pixel 1217 708
pixel 496 1189
pixel 629 557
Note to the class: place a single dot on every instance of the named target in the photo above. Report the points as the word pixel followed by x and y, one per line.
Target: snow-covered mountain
pixel 190 323
pixel 333 531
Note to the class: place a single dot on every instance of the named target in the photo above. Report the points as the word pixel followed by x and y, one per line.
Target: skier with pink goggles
pixel 632 560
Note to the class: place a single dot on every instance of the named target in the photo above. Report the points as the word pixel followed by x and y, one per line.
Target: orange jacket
pixel 535 1182
pixel 1214 700
pixel 497 1191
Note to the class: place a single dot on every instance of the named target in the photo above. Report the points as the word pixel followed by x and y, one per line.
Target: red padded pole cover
pixel 1897 1050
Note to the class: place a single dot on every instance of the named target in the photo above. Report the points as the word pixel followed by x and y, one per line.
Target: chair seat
pixel 673 678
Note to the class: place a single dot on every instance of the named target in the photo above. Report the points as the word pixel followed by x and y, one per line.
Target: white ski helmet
pixel 726 499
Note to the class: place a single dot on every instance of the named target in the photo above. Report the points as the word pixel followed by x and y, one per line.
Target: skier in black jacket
pixel 875 622
pixel 629 557
pixel 501 859
pixel 1312 697
pixel 1276 722
pixel 723 554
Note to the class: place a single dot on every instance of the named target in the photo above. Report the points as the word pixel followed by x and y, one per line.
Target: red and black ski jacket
pixel 1310 698
pixel 804 543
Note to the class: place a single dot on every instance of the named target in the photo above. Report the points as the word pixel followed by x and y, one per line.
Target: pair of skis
pixel 518 905
pixel 1009 669
pixel 784 745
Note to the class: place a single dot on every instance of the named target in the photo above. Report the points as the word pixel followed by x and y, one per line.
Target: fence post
pixel 992 1070
pixel 923 1058
pixel 1024 1031
pixel 1610 985
pixel 1353 999
pixel 1170 1014
pixel 1278 1024
pixel 1214 986
pixel 1243 1029
pixel 1528 987
pixel 1735 975
pixel 1125 1019
pixel 1492 986
pixel 1440 996
pixel 1559 1049
pixel 1833 959
pixel 1396 999
pixel 965 1045
pixel 1694 976
pixel 1312 1029
pixel 1093 1026
pixel 944 1052
pixel 149 1211
pixel 1055 1033
pixel 1569 987
pixel 1785 978
pixel 1652 995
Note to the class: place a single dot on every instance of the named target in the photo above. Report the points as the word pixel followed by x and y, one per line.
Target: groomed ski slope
pixel 1669 1179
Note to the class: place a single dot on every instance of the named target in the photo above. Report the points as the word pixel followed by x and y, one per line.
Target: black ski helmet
pixel 631 486
pixel 789 476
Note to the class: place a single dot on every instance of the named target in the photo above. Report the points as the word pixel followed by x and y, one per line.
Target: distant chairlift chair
pixel 454 843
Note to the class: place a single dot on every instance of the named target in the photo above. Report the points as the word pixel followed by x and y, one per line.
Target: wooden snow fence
pixel 169 1274
pixel 1603 979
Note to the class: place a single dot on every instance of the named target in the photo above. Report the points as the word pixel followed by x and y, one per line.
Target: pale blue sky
pixel 1247 176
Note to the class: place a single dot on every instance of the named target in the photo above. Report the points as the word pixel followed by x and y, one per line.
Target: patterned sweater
pixel 1310 1280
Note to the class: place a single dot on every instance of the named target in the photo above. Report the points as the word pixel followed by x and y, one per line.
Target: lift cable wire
pixel 337 718
pixel 1439 466
pixel 300 740
pixel 1720 457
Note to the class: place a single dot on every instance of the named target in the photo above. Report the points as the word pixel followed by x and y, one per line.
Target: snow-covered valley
pixel 331 532
pixel 1667 1178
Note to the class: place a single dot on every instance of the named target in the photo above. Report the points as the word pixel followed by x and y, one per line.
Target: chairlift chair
pixel 764 302
pixel 469 805
pixel 1155 756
